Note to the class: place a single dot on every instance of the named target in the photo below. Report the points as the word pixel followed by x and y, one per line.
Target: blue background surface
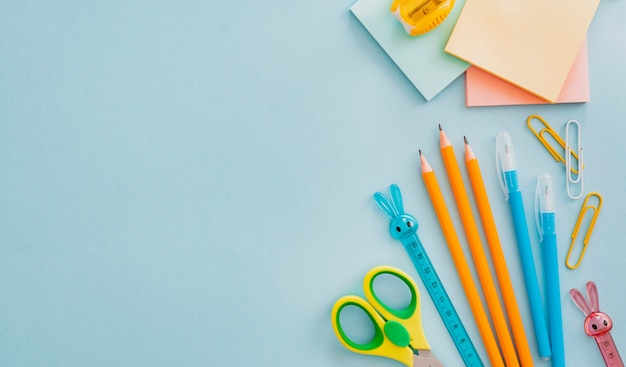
pixel 189 184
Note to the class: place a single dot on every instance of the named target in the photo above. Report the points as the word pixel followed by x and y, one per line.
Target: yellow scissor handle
pixel 381 344
pixel 410 317
pixel 592 223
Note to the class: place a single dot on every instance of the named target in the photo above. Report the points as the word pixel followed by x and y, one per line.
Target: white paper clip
pixel 573 175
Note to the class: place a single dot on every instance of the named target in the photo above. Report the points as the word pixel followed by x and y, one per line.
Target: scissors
pixel 398 334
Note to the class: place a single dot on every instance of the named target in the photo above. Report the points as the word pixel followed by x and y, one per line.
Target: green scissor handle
pixel 395 331
pixel 410 317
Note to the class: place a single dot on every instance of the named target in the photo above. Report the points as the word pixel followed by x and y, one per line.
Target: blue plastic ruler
pixel 442 301
pixel 403 227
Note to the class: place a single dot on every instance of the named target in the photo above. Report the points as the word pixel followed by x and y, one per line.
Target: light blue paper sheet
pixel 422 58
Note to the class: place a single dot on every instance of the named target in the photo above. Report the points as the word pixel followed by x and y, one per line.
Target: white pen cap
pixel 505 152
pixel 544 203
pixel 505 160
pixel 545 194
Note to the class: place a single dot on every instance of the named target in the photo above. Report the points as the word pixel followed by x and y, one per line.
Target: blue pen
pixel 507 174
pixel 545 218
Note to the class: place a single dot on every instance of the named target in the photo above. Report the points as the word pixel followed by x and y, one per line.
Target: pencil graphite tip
pixel 443 139
pixel 425 166
pixel 440 128
pixel 469 153
pixel 465 139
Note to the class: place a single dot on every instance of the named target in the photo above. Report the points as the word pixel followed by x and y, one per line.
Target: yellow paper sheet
pixel 529 43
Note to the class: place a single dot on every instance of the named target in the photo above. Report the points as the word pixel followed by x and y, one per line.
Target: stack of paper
pixel 531 44
pixel 520 52
pixel 422 58
pixel 485 89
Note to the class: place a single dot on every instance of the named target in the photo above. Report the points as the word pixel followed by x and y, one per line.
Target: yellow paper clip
pixel 574 236
pixel 547 129
pixel 574 176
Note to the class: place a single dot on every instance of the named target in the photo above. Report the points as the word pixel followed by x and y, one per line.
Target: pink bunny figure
pixel 597 324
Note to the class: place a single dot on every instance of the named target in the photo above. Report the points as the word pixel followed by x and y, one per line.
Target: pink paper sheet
pixel 531 43
pixel 485 89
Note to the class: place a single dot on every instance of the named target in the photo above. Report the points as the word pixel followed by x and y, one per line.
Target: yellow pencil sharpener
pixel 421 16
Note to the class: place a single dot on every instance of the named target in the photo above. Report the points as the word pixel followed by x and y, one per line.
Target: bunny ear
pixel 384 205
pixel 580 301
pixel 592 294
pixel 396 196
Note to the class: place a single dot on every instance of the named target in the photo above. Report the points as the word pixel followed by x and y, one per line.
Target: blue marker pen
pixel 507 174
pixel 545 218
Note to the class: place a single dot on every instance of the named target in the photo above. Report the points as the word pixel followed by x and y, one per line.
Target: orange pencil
pixel 471 292
pixel 499 263
pixel 478 253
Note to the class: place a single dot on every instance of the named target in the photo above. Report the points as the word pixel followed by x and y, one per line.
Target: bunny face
pixel 597 324
pixel 402 226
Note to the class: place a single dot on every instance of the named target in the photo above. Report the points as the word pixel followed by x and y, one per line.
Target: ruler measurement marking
pixel 442 302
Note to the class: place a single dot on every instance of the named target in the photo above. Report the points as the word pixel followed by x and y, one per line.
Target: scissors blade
pixel 426 358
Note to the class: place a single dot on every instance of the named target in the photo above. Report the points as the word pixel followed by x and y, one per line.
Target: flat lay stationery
pixel 403 227
pixel 597 324
pixel 369 183
pixel 545 218
pixel 485 89
pixel 460 262
pixel 398 332
pixel 575 256
pixel 506 166
pixel 574 168
pixel 476 248
pixel 495 37
pixel 546 134
pixel 418 16
pixel 421 59
pixel 497 255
